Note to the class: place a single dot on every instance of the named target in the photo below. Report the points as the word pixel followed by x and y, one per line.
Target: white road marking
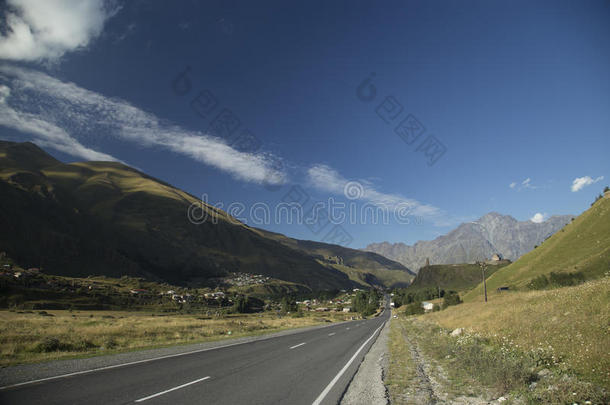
pixel 171 389
pixel 330 334
pixel 347 328
pixel 321 397
pixel 295 346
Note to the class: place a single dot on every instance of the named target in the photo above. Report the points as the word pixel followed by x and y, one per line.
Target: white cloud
pixel 538 218
pixel 527 183
pixel 328 179
pixel 45 30
pixel 581 182
pixel 47 133
pixel 58 113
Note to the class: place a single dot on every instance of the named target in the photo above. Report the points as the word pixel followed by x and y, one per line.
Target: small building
pixel 427 306
pixel 347 309
pixel 496 257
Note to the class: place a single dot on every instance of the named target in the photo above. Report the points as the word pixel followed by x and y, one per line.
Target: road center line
pixel 330 334
pixel 295 346
pixel 171 389
pixel 321 397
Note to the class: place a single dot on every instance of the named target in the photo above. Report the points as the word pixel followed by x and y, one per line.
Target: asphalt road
pixel 311 367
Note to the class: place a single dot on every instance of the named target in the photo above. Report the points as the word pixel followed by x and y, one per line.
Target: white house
pixel 428 306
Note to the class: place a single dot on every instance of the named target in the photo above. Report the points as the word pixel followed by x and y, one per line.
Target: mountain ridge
pixel 582 246
pixel 106 218
pixel 474 241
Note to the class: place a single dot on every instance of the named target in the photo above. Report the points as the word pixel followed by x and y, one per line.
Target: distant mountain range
pixel 475 241
pixel 582 246
pixel 105 218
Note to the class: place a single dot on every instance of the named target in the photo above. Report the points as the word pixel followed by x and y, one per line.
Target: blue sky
pixel 513 98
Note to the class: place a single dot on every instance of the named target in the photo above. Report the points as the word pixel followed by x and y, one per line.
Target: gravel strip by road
pixel 367 385
pixel 29 372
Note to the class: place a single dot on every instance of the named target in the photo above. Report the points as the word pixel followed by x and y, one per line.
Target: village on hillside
pixel 33 288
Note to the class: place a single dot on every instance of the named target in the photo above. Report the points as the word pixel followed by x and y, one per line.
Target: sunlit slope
pixel 583 245
pixel 363 267
pixel 572 322
pixel 107 218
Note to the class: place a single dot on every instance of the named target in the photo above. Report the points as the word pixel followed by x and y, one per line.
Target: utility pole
pixel 483 268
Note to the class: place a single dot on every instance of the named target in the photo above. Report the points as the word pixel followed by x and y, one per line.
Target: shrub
pixel 50 344
pixel 554 280
pixel 82 346
pixel 297 314
pixel 289 304
pixel 366 302
pixel 414 308
pixel 110 343
pixel 538 283
pixel 45 313
pixel 451 298
pixel 244 305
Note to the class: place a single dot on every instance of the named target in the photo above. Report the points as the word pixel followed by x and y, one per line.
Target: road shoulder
pixel 367 386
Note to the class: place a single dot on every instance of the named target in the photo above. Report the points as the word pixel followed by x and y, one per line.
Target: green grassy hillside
pixel 581 246
pixel 456 277
pixel 105 218
pixel 362 267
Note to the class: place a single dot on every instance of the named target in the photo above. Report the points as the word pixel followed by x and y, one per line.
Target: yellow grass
pixel 401 368
pixel 121 330
pixel 571 322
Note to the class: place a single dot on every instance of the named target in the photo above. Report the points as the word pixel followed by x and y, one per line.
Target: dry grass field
pixel 532 347
pixel 33 336
pixel 570 324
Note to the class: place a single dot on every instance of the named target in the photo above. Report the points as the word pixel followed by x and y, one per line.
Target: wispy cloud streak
pixel 327 179
pixel 62 115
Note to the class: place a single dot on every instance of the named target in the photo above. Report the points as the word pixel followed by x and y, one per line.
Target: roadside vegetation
pixel 581 249
pixel 547 346
pixel 401 369
pixel 33 336
pixel 366 302
pixel 49 317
